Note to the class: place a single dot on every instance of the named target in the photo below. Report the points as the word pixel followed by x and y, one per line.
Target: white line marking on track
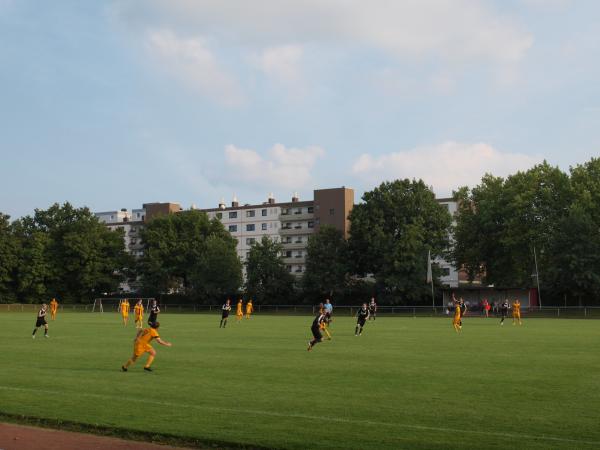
pixel 306 416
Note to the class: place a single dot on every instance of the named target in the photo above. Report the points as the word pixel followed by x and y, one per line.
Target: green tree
pixel 327 263
pixel 267 278
pixel 67 252
pixel 8 260
pixel 391 233
pixel 189 254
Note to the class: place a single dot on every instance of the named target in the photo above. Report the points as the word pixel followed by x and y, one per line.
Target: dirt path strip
pixel 20 437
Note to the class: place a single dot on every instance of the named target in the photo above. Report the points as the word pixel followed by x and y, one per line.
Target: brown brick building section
pixel 332 207
pixel 160 209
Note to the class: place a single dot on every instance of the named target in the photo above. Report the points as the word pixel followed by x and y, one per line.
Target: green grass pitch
pixel 406 383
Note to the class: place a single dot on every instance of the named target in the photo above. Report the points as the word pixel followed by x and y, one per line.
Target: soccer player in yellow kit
pixel 249 309
pixel 323 325
pixel 456 322
pixel 138 313
pixel 517 312
pixel 125 311
pixel 53 308
pixel 239 311
pixel 141 345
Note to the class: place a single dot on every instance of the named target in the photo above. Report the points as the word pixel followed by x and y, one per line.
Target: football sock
pixel 45 331
pixel 128 363
pixel 34 330
pixel 150 360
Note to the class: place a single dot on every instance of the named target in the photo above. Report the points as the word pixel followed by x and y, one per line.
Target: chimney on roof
pixel 235 203
pixel 295 198
pixel 222 203
pixel 271 199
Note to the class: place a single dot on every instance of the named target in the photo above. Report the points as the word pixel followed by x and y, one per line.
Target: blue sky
pixel 116 103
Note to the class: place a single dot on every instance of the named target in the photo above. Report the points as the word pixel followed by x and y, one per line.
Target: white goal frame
pixel 117 302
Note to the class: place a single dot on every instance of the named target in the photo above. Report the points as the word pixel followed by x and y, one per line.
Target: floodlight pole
pixel 537 277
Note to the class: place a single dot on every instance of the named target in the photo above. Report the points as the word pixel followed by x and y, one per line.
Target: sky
pixel 111 104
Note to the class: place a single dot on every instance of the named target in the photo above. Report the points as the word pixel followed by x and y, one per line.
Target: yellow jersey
pixel 249 308
pixel 138 310
pixel 125 308
pixel 239 309
pixel 517 306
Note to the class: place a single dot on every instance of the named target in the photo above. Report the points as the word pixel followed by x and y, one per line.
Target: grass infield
pixel 406 383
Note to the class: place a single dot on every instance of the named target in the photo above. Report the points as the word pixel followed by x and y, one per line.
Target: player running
pixel 372 309
pixel 239 311
pixel 225 309
pixel 141 345
pixel 154 310
pixel 138 314
pixel 486 307
pixel 362 317
pixel 41 321
pixel 125 311
pixel 504 311
pixel 327 318
pixel 517 312
pixel 249 309
pixel 53 308
pixel 316 330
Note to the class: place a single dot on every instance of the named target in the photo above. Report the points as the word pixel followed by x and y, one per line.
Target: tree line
pixel 501 226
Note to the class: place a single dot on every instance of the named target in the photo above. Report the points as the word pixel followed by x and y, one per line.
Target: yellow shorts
pixel 139 350
pixel 125 315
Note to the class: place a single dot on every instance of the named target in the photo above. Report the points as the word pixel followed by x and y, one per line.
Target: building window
pixel 289 268
pixel 112 217
pixel 298 211
pixel 310 209
pixel 133 241
pixel 298 226
pixel 286 226
pixel 250 241
pixel 264 212
pixel 332 212
pixel 250 213
pixel 285 211
pixel 247 255
pixel 264 226
pixel 288 240
pixel 232 228
pixel 133 229
pixel 250 227
pixel 299 254
pixel 298 240
pixel 311 224
pixel 233 215
pixel 288 254
pixel 219 215
pixel 445 271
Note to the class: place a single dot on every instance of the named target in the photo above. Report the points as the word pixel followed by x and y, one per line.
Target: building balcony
pixel 295 231
pixel 293 217
pixel 294 245
pixel 294 260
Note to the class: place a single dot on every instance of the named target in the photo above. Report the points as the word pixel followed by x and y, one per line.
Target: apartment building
pixel 450 276
pixel 291 223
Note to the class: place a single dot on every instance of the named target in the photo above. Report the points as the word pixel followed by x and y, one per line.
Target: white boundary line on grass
pixel 307 417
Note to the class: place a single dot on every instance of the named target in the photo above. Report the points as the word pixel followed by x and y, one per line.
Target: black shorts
pixel 225 315
pixel 361 321
pixel 152 320
pixel 316 331
pixel 41 321
pixel 504 312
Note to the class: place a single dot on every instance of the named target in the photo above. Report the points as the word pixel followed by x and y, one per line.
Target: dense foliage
pixel 59 252
pixel 503 223
pixel 189 254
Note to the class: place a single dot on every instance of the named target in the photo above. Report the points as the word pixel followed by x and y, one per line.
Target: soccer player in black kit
pixel 504 311
pixel 316 330
pixel 225 309
pixel 362 316
pixel 372 309
pixel 154 310
pixel 41 321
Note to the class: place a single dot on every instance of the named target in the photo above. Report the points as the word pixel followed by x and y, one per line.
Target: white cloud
pixel 283 64
pixel 283 167
pixel 191 60
pixel 446 166
pixel 454 30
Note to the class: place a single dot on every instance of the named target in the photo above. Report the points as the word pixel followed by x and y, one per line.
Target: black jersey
pixel 504 306
pixel 225 310
pixel 319 318
pixel 41 313
pixel 154 310
pixel 372 306
pixel 363 313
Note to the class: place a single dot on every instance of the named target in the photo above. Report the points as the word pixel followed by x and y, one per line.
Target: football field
pixel 405 383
